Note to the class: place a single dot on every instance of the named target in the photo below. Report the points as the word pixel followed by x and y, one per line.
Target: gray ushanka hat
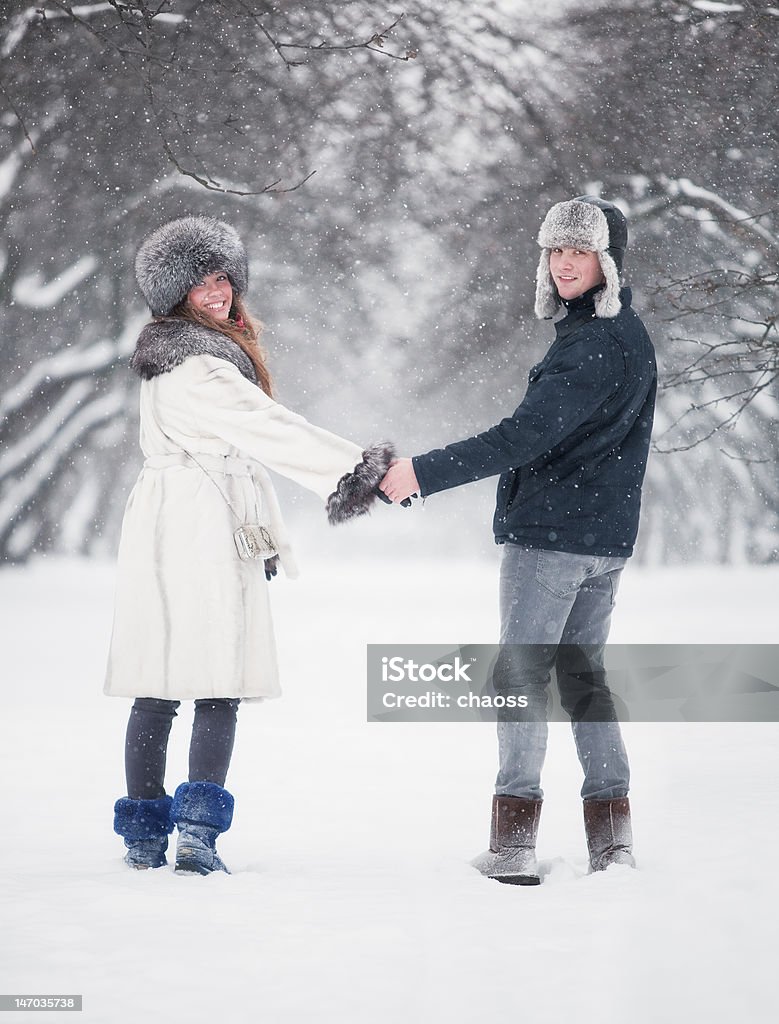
pixel 583 223
pixel 178 255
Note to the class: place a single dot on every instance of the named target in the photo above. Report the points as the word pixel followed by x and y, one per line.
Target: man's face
pixel 574 271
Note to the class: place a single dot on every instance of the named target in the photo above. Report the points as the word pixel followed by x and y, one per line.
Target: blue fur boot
pixel 145 826
pixel 201 810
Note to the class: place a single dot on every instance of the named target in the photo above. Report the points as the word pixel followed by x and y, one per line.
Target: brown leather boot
pixel 512 854
pixel 609 835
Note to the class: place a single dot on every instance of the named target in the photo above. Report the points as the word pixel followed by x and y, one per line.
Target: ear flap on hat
pixel 607 302
pixel 547 299
pixel 580 224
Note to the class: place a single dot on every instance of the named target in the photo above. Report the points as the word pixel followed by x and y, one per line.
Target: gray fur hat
pixel 583 223
pixel 178 255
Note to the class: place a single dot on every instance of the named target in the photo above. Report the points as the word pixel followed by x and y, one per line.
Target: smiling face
pixel 213 296
pixel 574 271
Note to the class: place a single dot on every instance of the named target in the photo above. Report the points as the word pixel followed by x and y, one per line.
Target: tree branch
pixel 375 44
pixel 20 119
pixel 207 182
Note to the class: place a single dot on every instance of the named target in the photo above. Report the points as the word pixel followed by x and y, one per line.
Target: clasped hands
pixel 400 481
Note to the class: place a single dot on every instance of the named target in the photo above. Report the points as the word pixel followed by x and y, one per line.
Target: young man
pixel 572 459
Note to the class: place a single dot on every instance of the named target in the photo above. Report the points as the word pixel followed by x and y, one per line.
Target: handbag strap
pixel 177 444
pixel 237 518
pixel 224 496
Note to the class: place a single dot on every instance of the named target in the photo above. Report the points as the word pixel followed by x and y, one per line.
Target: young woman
pixel 202 534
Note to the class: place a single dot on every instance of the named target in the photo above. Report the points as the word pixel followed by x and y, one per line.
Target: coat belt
pixel 229 465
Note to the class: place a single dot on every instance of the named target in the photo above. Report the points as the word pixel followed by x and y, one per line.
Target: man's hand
pixel 401 481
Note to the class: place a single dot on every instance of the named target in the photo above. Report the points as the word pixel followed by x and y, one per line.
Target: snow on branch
pixel 20 23
pixel 714 7
pixel 726 378
pixel 45 430
pixel 17 29
pixel 375 43
pixel 32 292
pixel 139 18
pixel 726 362
pixel 89 416
pixel 710 200
pixel 69 364
pixel 738 400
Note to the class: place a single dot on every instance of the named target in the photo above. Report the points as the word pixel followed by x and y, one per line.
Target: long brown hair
pixel 241 327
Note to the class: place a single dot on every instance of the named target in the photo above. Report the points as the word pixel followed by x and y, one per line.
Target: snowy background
pixel 397 282
pixel 351 897
pixel 396 285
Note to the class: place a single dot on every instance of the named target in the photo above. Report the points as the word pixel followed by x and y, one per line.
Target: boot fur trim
pixel 203 803
pixel 139 820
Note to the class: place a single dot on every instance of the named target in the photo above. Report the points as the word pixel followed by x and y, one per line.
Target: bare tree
pixel 731 312
pixel 436 142
pixel 110 110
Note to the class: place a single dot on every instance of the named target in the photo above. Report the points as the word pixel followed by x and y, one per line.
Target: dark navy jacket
pixel 572 456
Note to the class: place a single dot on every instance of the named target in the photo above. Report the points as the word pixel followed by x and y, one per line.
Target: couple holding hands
pixel 192 618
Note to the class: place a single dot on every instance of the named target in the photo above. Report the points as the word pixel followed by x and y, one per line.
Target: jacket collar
pixel 582 309
pixel 164 344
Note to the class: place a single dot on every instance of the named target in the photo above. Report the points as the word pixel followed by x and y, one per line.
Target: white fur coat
pixel 191 619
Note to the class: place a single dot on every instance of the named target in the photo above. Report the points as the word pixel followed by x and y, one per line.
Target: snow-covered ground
pixel 351 897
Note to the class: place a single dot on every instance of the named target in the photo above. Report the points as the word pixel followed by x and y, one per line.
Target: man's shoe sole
pixel 517 879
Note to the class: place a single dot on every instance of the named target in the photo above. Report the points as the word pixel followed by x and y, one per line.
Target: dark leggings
pixel 146 746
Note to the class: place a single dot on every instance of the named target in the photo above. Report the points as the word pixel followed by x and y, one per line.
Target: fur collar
pixel 165 344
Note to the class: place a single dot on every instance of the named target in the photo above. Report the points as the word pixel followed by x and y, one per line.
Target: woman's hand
pixel 400 481
pixel 271 567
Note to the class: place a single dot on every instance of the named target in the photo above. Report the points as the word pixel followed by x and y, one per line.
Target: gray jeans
pixel 557 602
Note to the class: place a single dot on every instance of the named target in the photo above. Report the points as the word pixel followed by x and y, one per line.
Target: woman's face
pixel 214 295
